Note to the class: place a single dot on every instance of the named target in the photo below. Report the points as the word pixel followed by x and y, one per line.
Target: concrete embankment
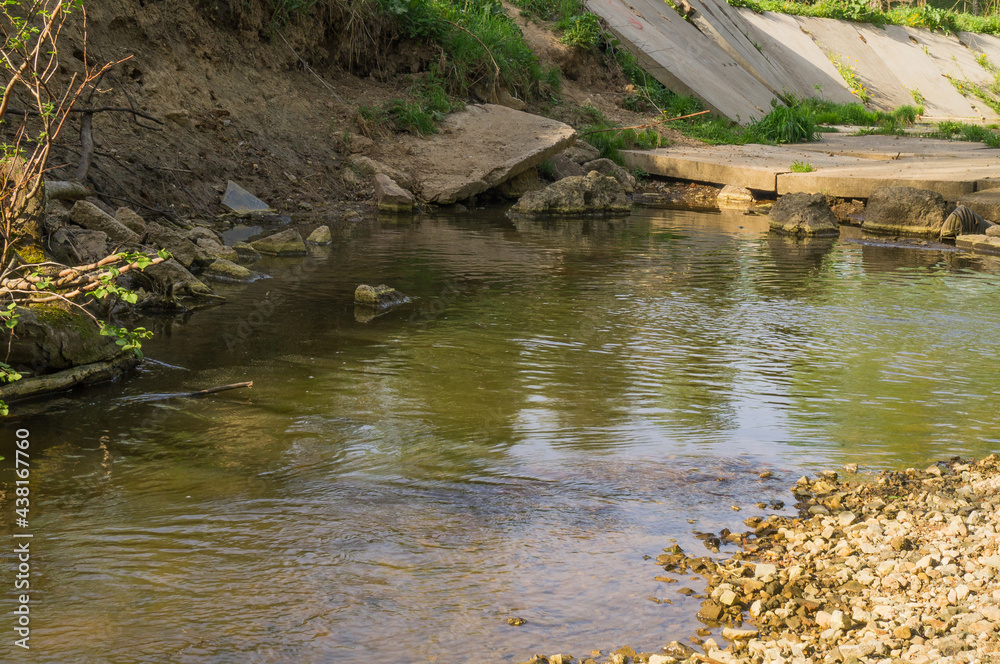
pixel 737 62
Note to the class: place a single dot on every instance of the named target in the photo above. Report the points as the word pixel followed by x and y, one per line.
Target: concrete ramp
pixel 911 65
pixel 841 40
pixel 985 44
pixel 955 61
pixel 676 54
pixel 804 65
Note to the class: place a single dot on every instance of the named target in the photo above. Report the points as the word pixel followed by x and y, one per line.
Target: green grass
pixel 801 167
pixel 966 132
pixel 939 18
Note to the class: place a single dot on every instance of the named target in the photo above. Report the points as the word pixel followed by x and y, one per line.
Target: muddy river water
pixel 558 401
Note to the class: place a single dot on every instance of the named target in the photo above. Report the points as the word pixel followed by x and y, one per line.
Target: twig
pixel 310 70
pixel 221 388
pixel 645 126
pixel 99 109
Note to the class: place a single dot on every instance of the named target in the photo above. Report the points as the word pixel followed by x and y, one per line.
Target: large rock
pixel 286 243
pixel 130 219
pixel 371 168
pixel 59 190
pixel 905 211
pixel 216 249
pixel 480 147
pixel 608 167
pixel 390 196
pixel 320 235
pixel 50 338
pixel 581 152
pixel 78 246
pixel 174 282
pixel 803 215
pixel 575 195
pixel 91 217
pixel 739 198
pixel 183 250
pixel 228 271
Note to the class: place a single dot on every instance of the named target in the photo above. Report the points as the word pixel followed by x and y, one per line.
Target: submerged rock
pixel 285 243
pixel 378 296
pixel 228 271
pixel 592 193
pixel 905 211
pixel 803 215
pixel 320 235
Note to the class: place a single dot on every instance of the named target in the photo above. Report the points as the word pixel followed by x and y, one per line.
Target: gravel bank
pixel 900 567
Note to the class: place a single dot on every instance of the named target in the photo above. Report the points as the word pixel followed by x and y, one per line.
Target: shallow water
pixel 559 400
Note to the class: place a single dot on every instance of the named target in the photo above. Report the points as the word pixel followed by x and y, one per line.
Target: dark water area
pixel 559 400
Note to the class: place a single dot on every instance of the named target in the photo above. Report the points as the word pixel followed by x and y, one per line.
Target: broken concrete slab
pixel 979 244
pixel 481 147
pixel 846 166
pixel 955 61
pixel 675 53
pixel 910 65
pixel 984 203
pixel 241 201
pixel 840 40
pixel 807 70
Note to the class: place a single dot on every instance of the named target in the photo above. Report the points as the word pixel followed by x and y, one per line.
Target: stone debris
pixel 320 235
pixel 390 196
pixel 91 217
pixel 593 193
pixel 284 243
pixel 803 215
pixel 899 567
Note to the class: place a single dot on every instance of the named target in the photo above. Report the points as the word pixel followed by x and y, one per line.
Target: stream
pixel 559 400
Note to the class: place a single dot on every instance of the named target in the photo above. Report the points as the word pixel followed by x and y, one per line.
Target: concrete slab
pixel 793 52
pixel 241 201
pixel 841 40
pixel 846 166
pixel 986 44
pixel 911 66
pixel 979 244
pixel 683 59
pixel 481 147
pixel 956 61
pixel 718 21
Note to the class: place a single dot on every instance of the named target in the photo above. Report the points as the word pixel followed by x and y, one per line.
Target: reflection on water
pixel 559 400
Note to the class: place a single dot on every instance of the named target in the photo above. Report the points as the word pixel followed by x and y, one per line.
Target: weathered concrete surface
pixel 910 65
pixel 979 244
pixel 956 61
pixel 796 55
pixel 987 44
pixel 847 166
pixel 840 39
pixel 984 203
pixel 675 53
pixel 481 147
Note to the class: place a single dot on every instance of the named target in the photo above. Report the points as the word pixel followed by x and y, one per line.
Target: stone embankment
pixel 902 567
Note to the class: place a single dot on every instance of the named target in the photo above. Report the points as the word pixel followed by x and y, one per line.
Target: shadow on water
pixel 558 400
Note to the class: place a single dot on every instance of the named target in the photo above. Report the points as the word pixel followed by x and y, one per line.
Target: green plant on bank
pixel 483 53
pixel 967 132
pixel 801 167
pixel 918 98
pixel 850 75
pixel 283 10
pixel 30 59
pixel 968 88
pixel 926 16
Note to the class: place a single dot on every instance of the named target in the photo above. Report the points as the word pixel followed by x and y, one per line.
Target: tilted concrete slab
pixel 911 66
pixel 481 147
pixel 792 51
pixel 841 40
pixel 956 61
pixel 846 166
pixel 716 21
pixel 683 59
pixel 986 44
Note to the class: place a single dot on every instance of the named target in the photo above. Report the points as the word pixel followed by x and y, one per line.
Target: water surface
pixel 560 400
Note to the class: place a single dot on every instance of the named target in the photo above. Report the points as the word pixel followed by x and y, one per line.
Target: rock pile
pixel 901 569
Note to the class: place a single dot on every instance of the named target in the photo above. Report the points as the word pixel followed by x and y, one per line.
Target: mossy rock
pixel 50 338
